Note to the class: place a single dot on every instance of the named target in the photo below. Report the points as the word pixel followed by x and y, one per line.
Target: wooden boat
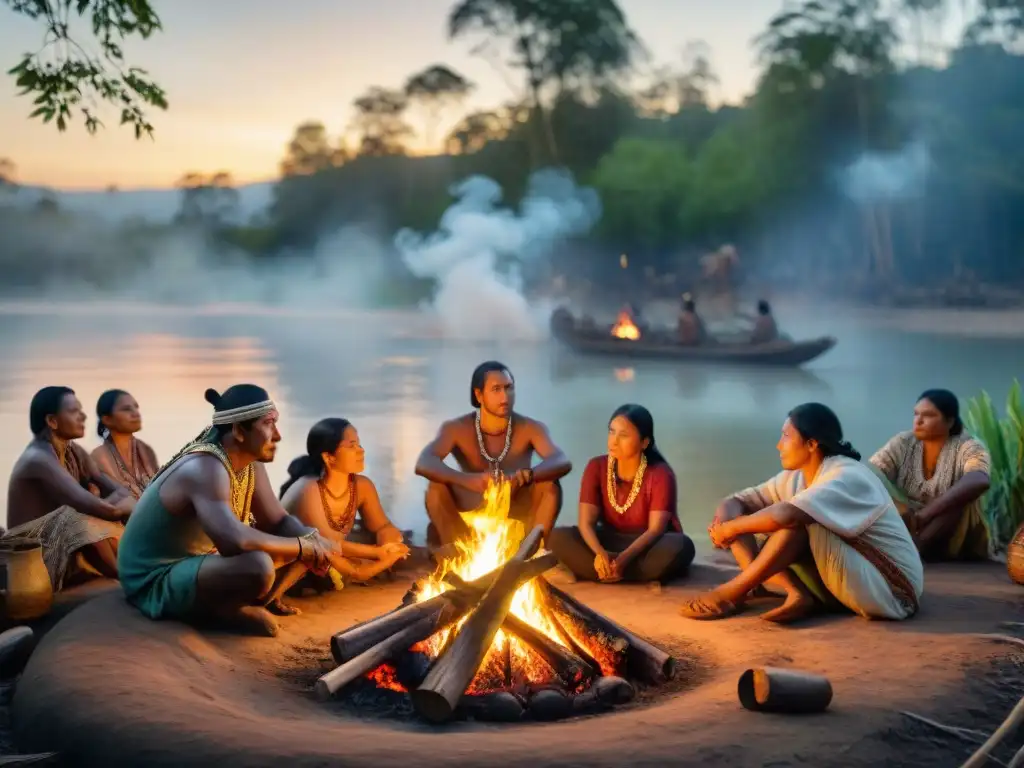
pixel 655 344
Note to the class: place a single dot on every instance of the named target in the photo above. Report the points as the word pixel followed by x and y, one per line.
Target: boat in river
pixel 662 345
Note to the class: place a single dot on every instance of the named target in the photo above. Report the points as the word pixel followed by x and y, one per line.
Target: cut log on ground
pixel 644 661
pixel 455 668
pixel 496 707
pixel 389 648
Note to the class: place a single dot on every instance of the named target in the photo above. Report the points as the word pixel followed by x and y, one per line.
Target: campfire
pixel 625 328
pixel 486 636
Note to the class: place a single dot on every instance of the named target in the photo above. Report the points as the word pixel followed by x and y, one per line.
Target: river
pixel 390 375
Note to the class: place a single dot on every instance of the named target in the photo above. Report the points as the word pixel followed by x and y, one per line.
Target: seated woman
pixel 765 330
pixel 940 475
pixel 325 491
pixel 628 526
pixel 827 503
pixel 122 457
pixel 58 496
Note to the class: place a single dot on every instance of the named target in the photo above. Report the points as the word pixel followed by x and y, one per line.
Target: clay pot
pixel 25 589
pixel 1015 556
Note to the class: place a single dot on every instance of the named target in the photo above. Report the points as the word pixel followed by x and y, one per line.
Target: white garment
pixel 856 535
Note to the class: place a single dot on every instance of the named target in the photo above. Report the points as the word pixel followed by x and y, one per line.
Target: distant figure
pixel 690 327
pixel 765 329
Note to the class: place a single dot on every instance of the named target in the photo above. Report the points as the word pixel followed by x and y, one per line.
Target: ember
pixel 625 328
pixel 488 637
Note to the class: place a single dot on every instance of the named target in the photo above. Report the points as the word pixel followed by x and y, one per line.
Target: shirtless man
pixel 209 539
pixel 59 496
pixel 492 440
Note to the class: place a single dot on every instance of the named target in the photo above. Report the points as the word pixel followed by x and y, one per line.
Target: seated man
pixel 58 496
pixel 690 327
pixel 823 530
pixel 765 330
pixel 209 539
pixel 491 442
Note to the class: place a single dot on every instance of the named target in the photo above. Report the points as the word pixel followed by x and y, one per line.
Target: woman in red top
pixel 628 526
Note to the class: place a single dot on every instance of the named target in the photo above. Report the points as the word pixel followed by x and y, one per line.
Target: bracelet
pixel 299 558
pixel 529 476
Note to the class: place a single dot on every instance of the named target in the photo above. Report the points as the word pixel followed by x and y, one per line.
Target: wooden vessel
pixel 662 345
pixel 1015 556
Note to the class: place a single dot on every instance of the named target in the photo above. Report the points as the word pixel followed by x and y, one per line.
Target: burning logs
pixel 453 671
pixel 643 660
pixel 446 652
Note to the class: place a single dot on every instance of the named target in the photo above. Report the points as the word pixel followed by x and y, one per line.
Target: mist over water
pixel 887 176
pixel 475 256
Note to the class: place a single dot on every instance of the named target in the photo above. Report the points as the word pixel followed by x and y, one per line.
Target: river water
pixel 396 381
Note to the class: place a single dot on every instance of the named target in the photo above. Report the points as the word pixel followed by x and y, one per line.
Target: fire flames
pixel 625 328
pixel 495 538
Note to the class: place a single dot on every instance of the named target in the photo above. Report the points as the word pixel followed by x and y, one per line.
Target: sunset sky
pixel 240 74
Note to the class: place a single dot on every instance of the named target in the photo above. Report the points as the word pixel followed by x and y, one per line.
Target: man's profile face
pixel 69 422
pixel 261 439
pixel 498 394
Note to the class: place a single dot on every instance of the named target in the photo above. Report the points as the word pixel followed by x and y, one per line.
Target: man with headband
pixel 208 539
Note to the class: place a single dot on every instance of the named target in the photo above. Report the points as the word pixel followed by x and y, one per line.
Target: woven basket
pixel 1015 556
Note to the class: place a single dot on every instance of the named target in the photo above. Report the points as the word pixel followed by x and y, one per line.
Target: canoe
pixel 599 341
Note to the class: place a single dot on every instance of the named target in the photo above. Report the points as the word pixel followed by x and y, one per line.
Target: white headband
pixel 243 413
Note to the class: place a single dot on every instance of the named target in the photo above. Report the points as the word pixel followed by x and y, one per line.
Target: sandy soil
pixel 107 687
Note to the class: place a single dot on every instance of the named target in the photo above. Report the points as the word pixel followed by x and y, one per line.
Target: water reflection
pixel 397 382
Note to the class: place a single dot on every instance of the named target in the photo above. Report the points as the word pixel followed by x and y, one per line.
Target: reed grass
pixel 1003 505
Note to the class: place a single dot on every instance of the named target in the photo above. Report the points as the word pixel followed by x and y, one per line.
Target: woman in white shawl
pixel 827 503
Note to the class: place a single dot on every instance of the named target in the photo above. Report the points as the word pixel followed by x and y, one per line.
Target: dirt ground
pixel 107 687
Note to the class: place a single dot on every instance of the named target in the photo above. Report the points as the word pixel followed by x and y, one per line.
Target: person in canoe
pixel 939 476
pixel 628 528
pixel 491 442
pixel 690 327
pixel 326 491
pixel 825 504
pixel 765 329
pixel 122 457
pixel 58 496
pixel 208 540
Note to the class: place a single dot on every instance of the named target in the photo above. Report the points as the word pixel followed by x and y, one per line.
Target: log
pixel 613 690
pixel 570 668
pixel 390 647
pixel 454 669
pixel 770 689
pixel 497 707
pixel 644 660
pixel 353 641
pixel 550 704
pixel 16 645
pixel 412 667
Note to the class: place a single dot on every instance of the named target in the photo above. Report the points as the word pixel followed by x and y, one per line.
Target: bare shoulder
pixel 303 491
pixel 31 459
pixel 528 424
pixel 460 423
pixel 364 486
pixel 199 471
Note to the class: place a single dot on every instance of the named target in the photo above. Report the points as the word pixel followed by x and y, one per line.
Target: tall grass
pixel 1003 505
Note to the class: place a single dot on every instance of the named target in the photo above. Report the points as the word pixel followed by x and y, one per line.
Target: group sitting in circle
pixel 205 536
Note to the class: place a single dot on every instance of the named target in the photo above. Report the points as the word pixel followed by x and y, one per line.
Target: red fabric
pixel 657 493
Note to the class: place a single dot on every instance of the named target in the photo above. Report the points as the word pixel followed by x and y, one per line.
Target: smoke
pixel 887 176
pixel 479 249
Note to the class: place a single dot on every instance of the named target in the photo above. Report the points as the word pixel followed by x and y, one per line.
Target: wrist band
pixel 299 539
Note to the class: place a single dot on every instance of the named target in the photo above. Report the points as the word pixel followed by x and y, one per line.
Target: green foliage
pixel 65 78
pixel 1004 437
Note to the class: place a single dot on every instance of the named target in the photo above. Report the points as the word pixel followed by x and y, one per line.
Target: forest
pixel 874 152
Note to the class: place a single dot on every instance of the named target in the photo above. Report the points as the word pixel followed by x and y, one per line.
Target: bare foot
pixel 249 620
pixel 279 608
pixel 709 607
pixel 797 606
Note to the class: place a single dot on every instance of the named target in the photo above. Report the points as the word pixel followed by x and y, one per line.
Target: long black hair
pixel 46 402
pixel 105 407
pixel 948 405
pixel 479 378
pixel 815 421
pixel 324 437
pixel 640 418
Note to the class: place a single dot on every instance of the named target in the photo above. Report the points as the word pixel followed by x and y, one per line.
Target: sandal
pixel 708 609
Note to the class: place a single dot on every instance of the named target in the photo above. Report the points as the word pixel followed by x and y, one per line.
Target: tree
pixel 207 201
pixel 311 151
pixel 567 44
pixel 380 122
pixel 68 78
pixel 436 89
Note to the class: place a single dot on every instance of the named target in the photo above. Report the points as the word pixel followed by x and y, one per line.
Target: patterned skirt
pixel 63 534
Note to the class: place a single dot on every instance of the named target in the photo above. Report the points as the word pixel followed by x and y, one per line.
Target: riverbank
pixel 112 688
